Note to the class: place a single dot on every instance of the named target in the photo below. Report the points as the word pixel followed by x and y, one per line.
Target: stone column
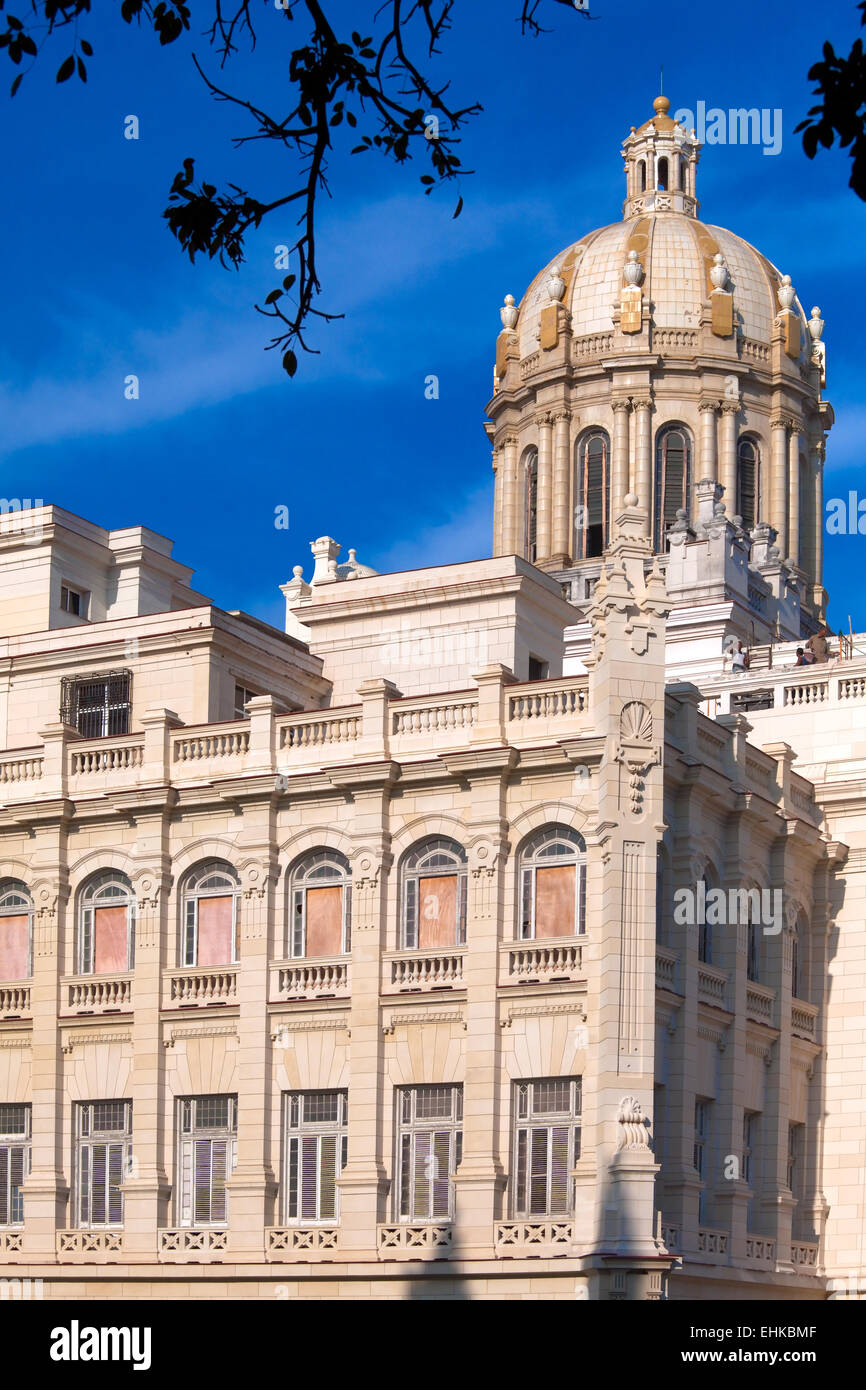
pixel 544 421
pixel 253 1185
pixel 708 463
pixel 147 1187
pixel 508 466
pixel 561 541
pixel 619 481
pixel 642 481
pixel 480 1179
pixel 818 494
pixel 778 514
pixel 497 508
pixel 728 460
pixel 794 493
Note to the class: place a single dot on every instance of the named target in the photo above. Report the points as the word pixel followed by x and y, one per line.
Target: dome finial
pixel 662 105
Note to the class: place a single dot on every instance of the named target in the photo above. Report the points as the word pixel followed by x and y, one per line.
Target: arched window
pixel 641 175
pixel 106 925
pixel 210 915
pixel 706 883
pixel 799 962
pixel 552 884
pixel 530 541
pixel 592 517
pixel 321 897
pixel 747 483
pixel 16 931
pixel 673 480
pixel 662 174
pixel 434 895
pixel 753 945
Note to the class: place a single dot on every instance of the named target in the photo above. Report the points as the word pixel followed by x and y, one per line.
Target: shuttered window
pixel 702 1151
pixel 747 483
pixel 15 1158
pixel 593 516
pixel 321 898
pixel 104 1153
pixel 546 1146
pixel 207 1157
pixel 315 1127
pixel 429 1150
pixel 672 482
pixel 434 895
pixel 552 884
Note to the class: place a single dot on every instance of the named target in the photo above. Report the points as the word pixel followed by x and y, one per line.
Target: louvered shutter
pixel 560 1179
pixel 410 915
pixel 674 475
pixel 220 1169
pixel 747 484
pixel 298 922
pixel 115 1178
pixel 189 932
pixel 441 1173
pixel 526 906
pixel 202 1177
pixel 309 1177
pixel 538 1172
pixel 405 1174
pixel 423 1167
pixel 4 1187
pixel 98 1173
pixel 84 1214
pixel 327 1177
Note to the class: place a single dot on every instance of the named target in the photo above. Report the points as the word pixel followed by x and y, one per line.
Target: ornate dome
pixel 677 254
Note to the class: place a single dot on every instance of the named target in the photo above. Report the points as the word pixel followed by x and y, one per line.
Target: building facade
pixel 476 937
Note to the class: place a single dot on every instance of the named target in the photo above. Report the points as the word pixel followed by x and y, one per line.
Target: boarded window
pixel 554 900
pixel 110 940
pixel 324 921
pixel 215 931
pixel 437 925
pixel 15 947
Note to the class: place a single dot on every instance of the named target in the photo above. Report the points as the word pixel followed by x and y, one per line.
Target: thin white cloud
pixel 466 535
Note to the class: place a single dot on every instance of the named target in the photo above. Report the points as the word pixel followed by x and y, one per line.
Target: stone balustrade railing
pixel 21 765
pixel 666 968
pixel 712 986
pixel 538 1238
pixel 107 755
pixel 557 958
pixel 324 978
pixel 804 1256
pixel 429 1241
pixel 422 970
pixel 97 994
pixel 185 988
pixel 15 999
pixel 760 1002
pixel 320 729
pixel 712 1242
pixel 804 1019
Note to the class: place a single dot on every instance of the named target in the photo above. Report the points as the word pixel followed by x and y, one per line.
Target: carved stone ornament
pixel 636 754
pixel 508 313
pixel 633 1126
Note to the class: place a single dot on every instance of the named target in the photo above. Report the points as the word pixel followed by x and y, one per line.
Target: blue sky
pixel 95 287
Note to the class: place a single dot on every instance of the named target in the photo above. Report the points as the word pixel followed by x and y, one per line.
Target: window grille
pixel 103 1160
pixel 99 705
pixel 593 518
pixel 316 1140
pixel 321 897
pixel 546 1145
pixel 553 884
pixel 747 483
pixel 531 542
pixel 429 1150
pixel 435 880
pixel 207 1156
pixel 15 1161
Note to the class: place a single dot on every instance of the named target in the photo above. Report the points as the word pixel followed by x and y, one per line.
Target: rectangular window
pixel 553 901
pixel 242 697
pixel 429 1149
pixel 106 941
pixel 208 1127
pixel 701 1157
pixel 73 601
pixel 795 1160
pixel 546 1145
pixel 315 1130
pixel 753 962
pixel 750 1127
pixel 97 706
pixel 15 1157
pixel 103 1156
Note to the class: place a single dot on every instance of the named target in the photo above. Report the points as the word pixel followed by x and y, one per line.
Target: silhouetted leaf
pixel 66 69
